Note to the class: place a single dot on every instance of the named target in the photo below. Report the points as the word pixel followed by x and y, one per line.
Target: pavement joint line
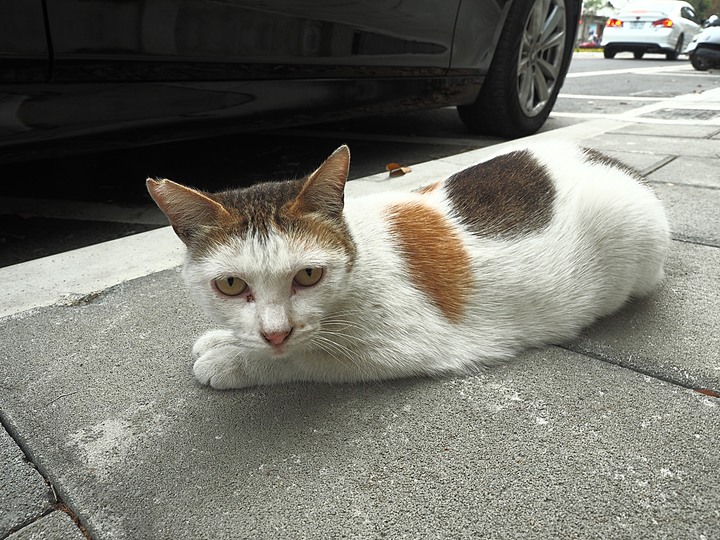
pixel 57 502
pixel 693 242
pixel 646 373
pixel 29 458
pixel 696 186
pixel 32 520
pixel 652 168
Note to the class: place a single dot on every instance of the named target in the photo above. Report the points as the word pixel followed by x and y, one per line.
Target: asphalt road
pixel 51 206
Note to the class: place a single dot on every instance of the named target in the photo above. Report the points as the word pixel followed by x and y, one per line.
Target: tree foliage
pixel 705 8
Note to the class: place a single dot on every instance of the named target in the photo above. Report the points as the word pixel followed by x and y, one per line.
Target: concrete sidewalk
pixel 108 435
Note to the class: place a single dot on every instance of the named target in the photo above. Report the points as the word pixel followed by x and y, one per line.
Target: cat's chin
pixel 278 352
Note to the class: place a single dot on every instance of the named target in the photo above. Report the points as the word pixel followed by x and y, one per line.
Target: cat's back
pixel 547 185
pixel 545 220
pixel 517 194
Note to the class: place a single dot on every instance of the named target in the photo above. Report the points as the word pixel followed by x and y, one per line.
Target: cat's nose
pixel 276 338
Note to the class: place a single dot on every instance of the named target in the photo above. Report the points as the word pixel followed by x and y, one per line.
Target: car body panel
pixel 476 37
pixel 120 115
pixel 24 55
pixel 113 74
pixel 174 67
pixel 243 39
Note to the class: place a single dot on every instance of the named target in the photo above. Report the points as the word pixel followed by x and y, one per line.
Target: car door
pixel 121 66
pixel 690 23
pixel 23 47
pixel 243 39
pixel 24 61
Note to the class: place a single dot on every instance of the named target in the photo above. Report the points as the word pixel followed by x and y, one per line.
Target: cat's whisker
pixel 336 346
pixel 338 334
pixel 333 348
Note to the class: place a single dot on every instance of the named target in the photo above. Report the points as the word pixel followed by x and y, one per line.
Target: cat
pixel 520 251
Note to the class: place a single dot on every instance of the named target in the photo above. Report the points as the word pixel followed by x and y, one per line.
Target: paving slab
pixel 674 334
pixel 675 131
pixel 556 444
pixel 24 495
pixel 55 526
pixel 690 171
pixel 693 212
pixel 619 142
pixel 642 162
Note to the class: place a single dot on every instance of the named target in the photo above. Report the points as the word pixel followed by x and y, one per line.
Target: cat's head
pixel 268 261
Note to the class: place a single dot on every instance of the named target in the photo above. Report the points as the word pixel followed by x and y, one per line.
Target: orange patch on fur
pixel 429 188
pixel 438 263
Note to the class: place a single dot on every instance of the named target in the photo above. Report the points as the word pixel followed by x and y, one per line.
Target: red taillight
pixel 665 23
pixel 614 23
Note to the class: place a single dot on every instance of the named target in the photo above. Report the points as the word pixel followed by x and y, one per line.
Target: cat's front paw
pixel 212 339
pixel 221 368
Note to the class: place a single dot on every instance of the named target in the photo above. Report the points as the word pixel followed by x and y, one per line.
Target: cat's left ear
pixel 324 189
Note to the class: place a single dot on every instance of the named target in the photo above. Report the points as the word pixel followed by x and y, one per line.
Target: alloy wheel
pixel 541 55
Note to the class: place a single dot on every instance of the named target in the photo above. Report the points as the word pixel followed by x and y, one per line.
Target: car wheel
pixel 608 53
pixel 673 55
pixel 638 55
pixel 527 71
pixel 699 63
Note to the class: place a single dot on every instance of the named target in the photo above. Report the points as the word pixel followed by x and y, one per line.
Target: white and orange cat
pixel 519 251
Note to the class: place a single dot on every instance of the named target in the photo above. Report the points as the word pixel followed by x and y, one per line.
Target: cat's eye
pixel 230 285
pixel 307 277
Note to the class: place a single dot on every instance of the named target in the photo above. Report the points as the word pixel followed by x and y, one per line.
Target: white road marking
pixel 659 70
pixel 639 120
pixel 610 98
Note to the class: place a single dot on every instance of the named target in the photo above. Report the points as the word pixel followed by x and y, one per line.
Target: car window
pixel 688 13
pixel 640 8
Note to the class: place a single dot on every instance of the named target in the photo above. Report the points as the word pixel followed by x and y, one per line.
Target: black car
pixel 82 73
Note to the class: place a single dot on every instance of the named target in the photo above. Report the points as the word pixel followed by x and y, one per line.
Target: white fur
pixel 607 241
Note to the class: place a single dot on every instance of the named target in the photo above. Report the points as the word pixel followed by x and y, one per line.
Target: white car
pixel 660 26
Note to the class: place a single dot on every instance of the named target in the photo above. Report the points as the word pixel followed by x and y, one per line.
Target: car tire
pixel 673 55
pixel 638 55
pixel 608 53
pixel 523 81
pixel 699 63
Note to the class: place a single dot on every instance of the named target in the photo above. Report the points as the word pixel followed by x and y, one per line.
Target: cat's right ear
pixel 186 208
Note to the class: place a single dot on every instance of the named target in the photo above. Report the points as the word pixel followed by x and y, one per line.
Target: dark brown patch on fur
pixel 594 156
pixel 507 196
pixel 438 263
